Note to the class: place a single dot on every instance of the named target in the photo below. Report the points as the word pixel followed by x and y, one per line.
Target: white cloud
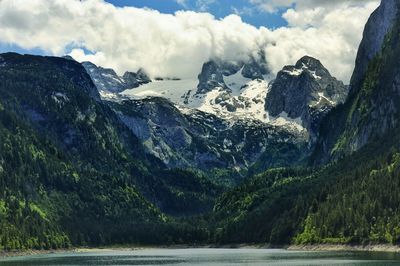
pixel 177 45
pixel 331 35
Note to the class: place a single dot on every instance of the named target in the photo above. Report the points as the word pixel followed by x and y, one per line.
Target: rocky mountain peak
pixel 312 65
pixel 214 71
pixel 134 80
pixel 211 77
pixel 305 91
pixel 108 81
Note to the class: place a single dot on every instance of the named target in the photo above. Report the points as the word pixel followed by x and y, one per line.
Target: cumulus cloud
pixel 177 45
pixel 331 35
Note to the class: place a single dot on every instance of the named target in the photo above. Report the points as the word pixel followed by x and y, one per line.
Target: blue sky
pixel 219 8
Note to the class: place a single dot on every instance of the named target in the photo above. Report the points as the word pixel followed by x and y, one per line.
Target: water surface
pixel 209 257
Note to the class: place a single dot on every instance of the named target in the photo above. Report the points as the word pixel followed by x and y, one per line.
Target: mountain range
pixel 238 155
pixel 236 116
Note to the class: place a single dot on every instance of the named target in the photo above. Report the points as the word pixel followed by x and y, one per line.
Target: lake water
pixel 209 257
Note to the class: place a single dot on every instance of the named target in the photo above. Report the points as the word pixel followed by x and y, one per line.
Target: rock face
pixel 372 109
pixel 190 138
pixel 235 118
pixel 211 77
pixel 232 90
pixel 213 73
pixel 378 25
pixel 107 81
pixel 134 80
pixel 305 91
pixel 256 69
pixel 225 122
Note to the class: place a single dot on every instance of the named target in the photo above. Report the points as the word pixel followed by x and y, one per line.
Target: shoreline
pixel 310 248
pixel 338 247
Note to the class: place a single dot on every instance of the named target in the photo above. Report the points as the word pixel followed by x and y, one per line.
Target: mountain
pixel 234 120
pixel 223 123
pixel 305 91
pixel 231 90
pixel 107 81
pixel 186 138
pixel 353 199
pixel 378 26
pixel 212 77
pixel 72 172
pixel 219 126
pixel 372 107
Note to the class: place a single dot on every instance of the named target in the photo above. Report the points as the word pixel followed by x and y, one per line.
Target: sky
pixel 175 37
pixel 219 9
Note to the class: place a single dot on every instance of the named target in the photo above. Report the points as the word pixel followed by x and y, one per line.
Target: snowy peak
pixel 232 90
pixel 307 66
pixel 213 73
pixel 313 65
pixel 108 81
pixel 305 91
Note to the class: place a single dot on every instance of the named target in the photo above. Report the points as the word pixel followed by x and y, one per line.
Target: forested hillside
pixel 72 173
pixel 354 200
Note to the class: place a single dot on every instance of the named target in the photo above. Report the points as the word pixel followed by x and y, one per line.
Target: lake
pixel 209 257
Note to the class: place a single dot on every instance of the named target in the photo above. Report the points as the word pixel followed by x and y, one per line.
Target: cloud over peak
pixel 177 45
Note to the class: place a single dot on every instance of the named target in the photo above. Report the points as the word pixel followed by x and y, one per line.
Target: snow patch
pixel 283 120
pixel 295 72
pixel 321 97
pixel 246 104
pixel 236 82
pixel 173 90
pixel 314 74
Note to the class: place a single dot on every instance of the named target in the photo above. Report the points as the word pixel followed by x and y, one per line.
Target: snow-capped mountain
pixel 109 83
pixel 230 90
pixel 233 116
pixel 305 92
pixel 205 141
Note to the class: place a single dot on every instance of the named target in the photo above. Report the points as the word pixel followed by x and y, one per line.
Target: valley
pixel 239 155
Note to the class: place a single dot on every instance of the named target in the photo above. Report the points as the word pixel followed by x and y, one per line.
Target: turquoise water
pixel 209 257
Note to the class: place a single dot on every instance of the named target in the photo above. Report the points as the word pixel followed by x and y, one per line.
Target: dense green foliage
pixel 71 173
pixel 354 200
pixel 362 208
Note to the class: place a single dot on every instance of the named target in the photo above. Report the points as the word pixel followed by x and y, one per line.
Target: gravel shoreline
pixel 319 247
pixel 328 247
